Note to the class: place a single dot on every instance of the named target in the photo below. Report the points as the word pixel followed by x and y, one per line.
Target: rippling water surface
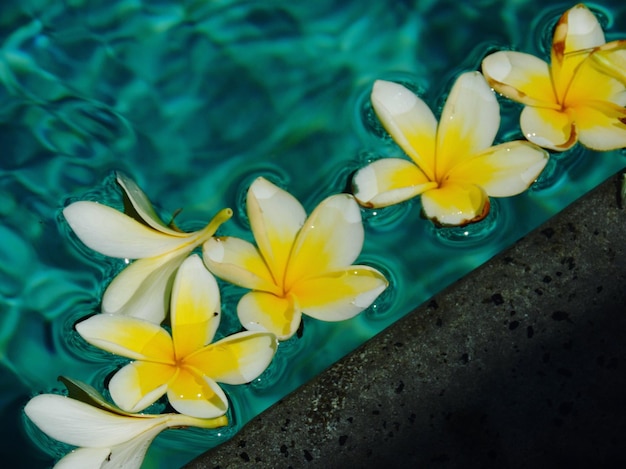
pixel 193 100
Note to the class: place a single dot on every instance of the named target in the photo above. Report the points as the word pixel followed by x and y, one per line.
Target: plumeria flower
pixel 106 436
pixel 301 265
pixel 141 289
pixel 579 96
pixel 453 165
pixel 185 364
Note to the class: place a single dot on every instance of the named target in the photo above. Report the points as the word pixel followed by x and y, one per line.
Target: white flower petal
pixel 409 121
pixel 548 128
pixel 389 181
pixel 140 384
pixel 197 396
pixel 275 218
pixel 142 289
pixel 196 308
pixel 261 311
pixel 332 236
pixel 469 121
pixel 79 424
pixel 114 234
pixel 84 458
pixel 239 262
pixel 579 30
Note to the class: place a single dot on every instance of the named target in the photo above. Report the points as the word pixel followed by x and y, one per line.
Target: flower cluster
pixel 163 311
pixel 301 265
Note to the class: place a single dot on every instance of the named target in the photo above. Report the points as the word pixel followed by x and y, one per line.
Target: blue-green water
pixel 195 99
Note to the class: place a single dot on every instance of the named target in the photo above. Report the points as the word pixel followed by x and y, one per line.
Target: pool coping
pixel 517 364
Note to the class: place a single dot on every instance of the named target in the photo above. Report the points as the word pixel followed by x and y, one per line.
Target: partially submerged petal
pixel 114 234
pixel 130 454
pixel 469 122
pixel 409 121
pixel 196 308
pixel 503 170
pixel 455 203
pixel 521 77
pixel 236 359
pixel 140 384
pixel 143 207
pixel 341 293
pixel 196 395
pixel 261 311
pixel 389 181
pixel 79 424
pixel 275 218
pixel 332 236
pixel 239 262
pixel 548 128
pixel 142 289
pixel 129 337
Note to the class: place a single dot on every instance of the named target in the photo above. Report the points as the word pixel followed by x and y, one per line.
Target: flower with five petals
pixel 142 289
pixel 579 96
pixel 300 265
pixel 185 364
pixel 453 165
pixel 105 435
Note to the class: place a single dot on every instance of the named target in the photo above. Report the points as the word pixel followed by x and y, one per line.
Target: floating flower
pixel 141 289
pixel 185 365
pixel 105 435
pixel 453 167
pixel 301 266
pixel 580 96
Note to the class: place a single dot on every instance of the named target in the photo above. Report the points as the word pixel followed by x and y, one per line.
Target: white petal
pixel 469 121
pixel 389 181
pixel 142 289
pixel 581 30
pixel 408 120
pixel 275 218
pixel 197 396
pixel 114 234
pixel 75 423
pixel 130 455
pixel 84 458
pixel 196 308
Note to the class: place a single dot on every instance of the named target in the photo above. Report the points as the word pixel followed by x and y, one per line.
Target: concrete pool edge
pixel 517 364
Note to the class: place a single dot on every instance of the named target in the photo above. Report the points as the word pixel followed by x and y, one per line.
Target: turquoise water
pixel 194 100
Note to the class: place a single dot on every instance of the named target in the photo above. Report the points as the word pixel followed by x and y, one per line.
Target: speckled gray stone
pixel 520 364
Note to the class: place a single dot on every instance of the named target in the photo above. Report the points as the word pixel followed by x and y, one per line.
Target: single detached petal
pixel 332 236
pixel 236 359
pixel 261 311
pixel 196 395
pixel 129 337
pixel 275 218
pixel 195 312
pixel 469 122
pixel 389 181
pixel 142 289
pixel 521 77
pixel 140 384
pixel 239 262
pixel 503 170
pixel 339 294
pixel 143 207
pixel 601 126
pixel 79 424
pixel 548 128
pixel 130 454
pixel 455 204
pixel 114 234
pixel 611 60
pixel 409 121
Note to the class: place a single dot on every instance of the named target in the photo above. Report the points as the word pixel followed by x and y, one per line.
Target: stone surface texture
pixel 520 364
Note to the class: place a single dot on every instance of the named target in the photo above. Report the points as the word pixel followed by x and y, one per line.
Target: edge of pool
pixel 519 364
